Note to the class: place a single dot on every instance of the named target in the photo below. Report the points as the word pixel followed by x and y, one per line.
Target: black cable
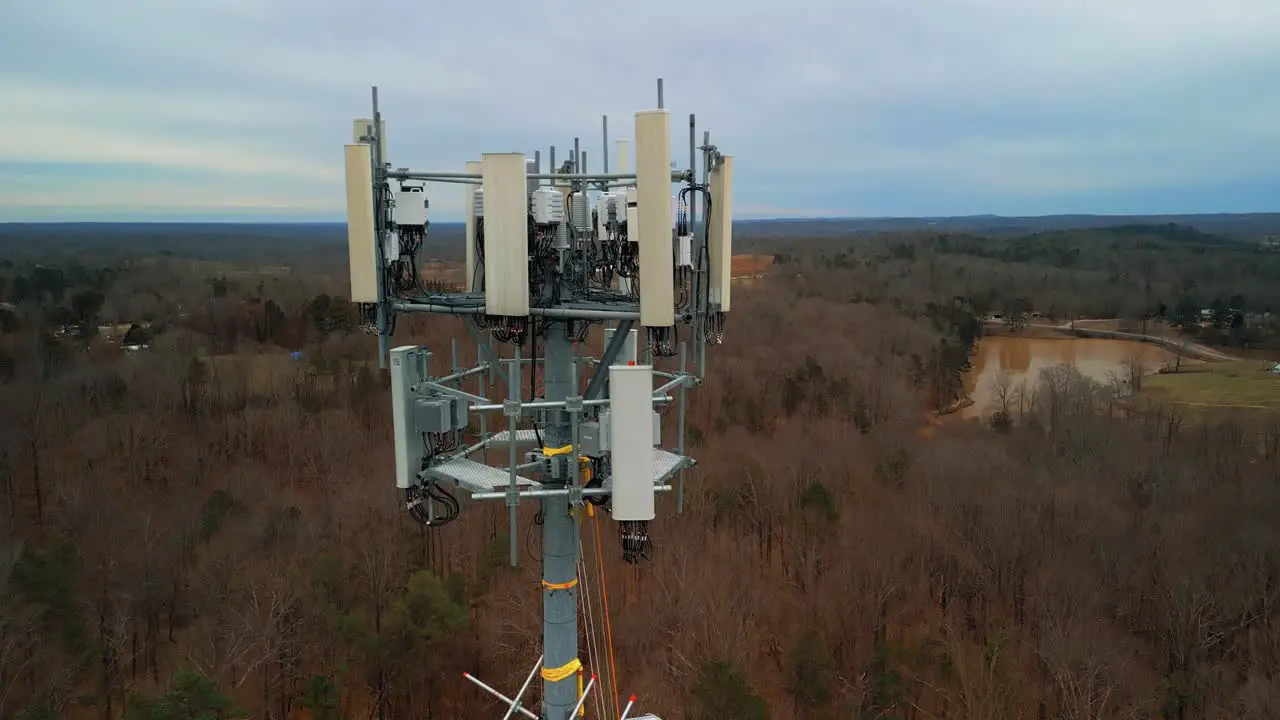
pixel 476 276
pixel 703 251
pixel 634 535
pixel 663 341
pixel 596 481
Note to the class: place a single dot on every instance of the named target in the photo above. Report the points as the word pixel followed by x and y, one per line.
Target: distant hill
pixel 1252 225
pixel 302 243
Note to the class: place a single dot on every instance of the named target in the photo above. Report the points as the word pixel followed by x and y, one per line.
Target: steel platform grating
pixel 475 477
pixel 522 437
pixel 665 463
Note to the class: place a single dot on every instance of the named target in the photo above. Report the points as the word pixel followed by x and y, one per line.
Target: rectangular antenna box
pixel 363 127
pixel 506 235
pixel 547 206
pixel 410 207
pixel 653 211
pixel 362 250
pixel 440 414
pixel 720 244
pixel 633 225
pixel 471 203
pixel 684 251
pixel 628 352
pixel 593 436
pixel 433 416
pixel 408 367
pixel 630 410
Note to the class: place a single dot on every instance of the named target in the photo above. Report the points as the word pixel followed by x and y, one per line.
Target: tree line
pixel 202 529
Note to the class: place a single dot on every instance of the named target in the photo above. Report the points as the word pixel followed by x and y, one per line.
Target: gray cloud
pixel 953 105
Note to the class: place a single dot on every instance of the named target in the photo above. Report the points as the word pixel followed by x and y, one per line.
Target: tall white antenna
pixel 543 264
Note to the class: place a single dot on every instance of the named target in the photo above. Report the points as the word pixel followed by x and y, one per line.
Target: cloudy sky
pixel 238 109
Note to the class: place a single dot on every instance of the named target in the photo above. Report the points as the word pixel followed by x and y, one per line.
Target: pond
pixel 1023 359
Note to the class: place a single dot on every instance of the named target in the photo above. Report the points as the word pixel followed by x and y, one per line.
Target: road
pixel 1185 347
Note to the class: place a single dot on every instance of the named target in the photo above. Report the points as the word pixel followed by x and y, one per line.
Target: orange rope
pixel 608 628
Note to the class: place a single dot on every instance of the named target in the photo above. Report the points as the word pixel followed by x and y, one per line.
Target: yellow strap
pixel 562 672
pixel 559 586
pixel 553 452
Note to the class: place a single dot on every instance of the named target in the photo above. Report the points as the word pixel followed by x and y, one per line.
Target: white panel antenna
pixel 469 208
pixel 720 245
pixel 408 364
pixel 624 157
pixel 628 352
pixel 506 235
pixel 653 211
pixel 631 441
pixel 362 253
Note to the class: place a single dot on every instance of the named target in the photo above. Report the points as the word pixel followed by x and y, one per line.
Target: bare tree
pixel 1002 389
pixel 1181 349
pixel 1136 369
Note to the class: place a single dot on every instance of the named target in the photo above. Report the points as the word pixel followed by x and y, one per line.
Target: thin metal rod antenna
pixel 706 170
pixel 524 688
pixel 513 499
pixel 585 692
pixel 499 695
pixel 695 244
pixel 577 156
pixel 379 228
pixel 660 105
pixel 604 121
pixel 684 355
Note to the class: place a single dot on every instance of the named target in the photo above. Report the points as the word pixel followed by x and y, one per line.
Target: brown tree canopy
pixel 210 525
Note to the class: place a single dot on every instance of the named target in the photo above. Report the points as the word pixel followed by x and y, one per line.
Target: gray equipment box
pixel 434 415
pixel 592 441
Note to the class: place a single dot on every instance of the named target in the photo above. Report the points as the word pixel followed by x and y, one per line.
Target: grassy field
pixel 1244 384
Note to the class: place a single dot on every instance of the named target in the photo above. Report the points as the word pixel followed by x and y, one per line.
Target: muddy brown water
pixel 1023 359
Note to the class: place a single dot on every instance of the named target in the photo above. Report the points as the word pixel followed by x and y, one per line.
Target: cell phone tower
pixel 548 254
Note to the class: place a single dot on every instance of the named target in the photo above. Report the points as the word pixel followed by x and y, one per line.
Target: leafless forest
pixel 208 526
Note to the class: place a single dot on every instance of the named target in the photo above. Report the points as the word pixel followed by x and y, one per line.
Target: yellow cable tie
pixel 552 452
pixel 562 672
pixel 559 586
